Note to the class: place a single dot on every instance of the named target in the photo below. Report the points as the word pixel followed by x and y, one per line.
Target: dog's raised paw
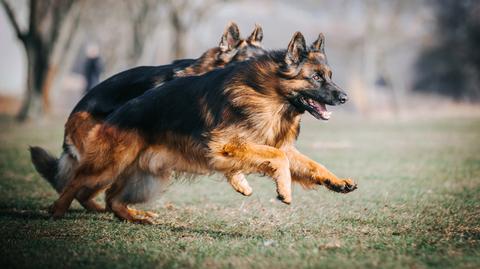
pixel 350 186
pixel 344 186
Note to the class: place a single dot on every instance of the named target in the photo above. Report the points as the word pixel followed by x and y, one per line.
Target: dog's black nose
pixel 342 97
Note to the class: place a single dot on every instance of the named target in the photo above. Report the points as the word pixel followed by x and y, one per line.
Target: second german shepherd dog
pixel 238 120
pixel 114 92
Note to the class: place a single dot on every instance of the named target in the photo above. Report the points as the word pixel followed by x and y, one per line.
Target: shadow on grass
pixel 216 234
pixel 42 214
pixel 80 214
pixel 24 214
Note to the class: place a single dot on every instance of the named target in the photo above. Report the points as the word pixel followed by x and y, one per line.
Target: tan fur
pixel 239 183
pixel 239 155
pixel 77 128
pixel 113 151
pixel 309 173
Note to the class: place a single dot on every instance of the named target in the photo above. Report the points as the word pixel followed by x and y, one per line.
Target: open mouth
pixel 317 109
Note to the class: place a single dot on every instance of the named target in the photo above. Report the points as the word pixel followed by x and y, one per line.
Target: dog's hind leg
pixel 61 205
pixel 251 158
pixel 120 208
pixel 131 188
pixel 86 197
pixel 84 179
pixel 108 152
pixel 59 171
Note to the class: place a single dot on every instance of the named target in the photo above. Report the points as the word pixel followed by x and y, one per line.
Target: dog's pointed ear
pixel 319 44
pixel 230 37
pixel 257 34
pixel 297 50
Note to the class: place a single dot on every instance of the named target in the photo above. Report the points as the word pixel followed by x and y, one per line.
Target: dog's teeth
pixel 326 114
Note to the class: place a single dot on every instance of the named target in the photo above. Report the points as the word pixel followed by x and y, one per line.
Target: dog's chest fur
pixel 274 129
pixel 267 120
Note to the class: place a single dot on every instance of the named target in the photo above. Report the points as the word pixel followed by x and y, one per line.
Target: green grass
pixel 417 206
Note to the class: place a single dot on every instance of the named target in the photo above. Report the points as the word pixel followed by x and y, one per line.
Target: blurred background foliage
pixel 450 65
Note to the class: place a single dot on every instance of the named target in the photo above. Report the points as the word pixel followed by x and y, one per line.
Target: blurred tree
pixel 382 37
pixel 450 65
pixel 45 22
pixel 184 14
pixel 143 18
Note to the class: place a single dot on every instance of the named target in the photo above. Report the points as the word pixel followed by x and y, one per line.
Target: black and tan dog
pixel 114 92
pixel 239 120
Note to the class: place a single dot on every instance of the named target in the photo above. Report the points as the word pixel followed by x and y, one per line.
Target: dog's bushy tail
pixel 57 171
pixel 45 164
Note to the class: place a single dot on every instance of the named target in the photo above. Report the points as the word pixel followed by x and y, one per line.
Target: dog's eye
pixel 316 77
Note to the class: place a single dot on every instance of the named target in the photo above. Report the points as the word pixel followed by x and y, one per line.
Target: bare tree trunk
pixel 27 99
pixel 137 46
pixel 138 37
pixel 183 15
pixel 179 33
pixel 39 39
pixel 37 58
pixel 144 16
pixel 62 56
pixel 47 86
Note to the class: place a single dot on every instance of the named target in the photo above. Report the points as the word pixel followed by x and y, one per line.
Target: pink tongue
pixel 320 108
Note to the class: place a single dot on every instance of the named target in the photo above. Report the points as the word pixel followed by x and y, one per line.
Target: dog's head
pixel 250 47
pixel 307 82
pixel 231 49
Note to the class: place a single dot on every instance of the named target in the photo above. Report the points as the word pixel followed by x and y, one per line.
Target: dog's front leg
pixel 310 173
pixel 238 181
pixel 246 157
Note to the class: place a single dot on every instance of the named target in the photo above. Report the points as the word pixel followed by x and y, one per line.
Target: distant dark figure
pixel 93 67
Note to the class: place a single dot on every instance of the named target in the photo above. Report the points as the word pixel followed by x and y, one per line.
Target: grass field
pixel 417 206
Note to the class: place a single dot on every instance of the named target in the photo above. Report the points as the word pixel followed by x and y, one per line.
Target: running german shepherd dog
pixel 114 92
pixel 238 120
